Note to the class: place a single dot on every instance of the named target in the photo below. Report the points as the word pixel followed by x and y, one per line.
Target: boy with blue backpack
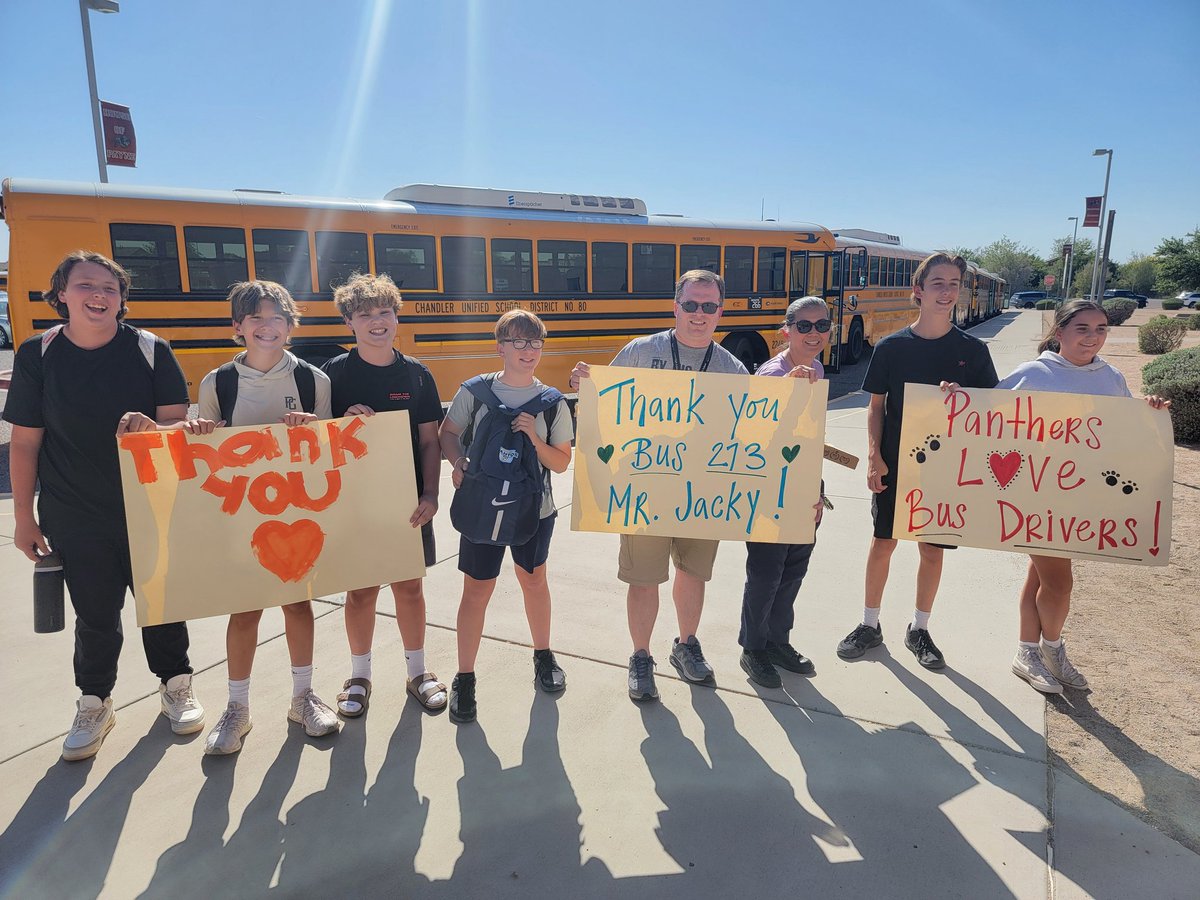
pixel 503 435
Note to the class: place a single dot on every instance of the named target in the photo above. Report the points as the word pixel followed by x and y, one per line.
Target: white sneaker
pixel 1028 664
pixel 312 712
pixel 1060 667
pixel 179 705
pixel 94 719
pixel 226 736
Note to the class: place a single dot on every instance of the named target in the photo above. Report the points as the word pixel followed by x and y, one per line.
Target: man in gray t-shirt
pixel 643 566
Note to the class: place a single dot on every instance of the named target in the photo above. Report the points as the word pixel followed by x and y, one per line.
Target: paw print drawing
pixel 1110 478
pixel 1128 487
pixel 933 443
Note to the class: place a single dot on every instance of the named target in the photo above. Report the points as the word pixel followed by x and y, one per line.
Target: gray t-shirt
pixel 514 398
pixel 654 352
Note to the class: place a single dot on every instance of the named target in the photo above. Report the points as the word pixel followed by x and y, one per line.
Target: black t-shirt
pixel 904 357
pixel 78 397
pixel 405 384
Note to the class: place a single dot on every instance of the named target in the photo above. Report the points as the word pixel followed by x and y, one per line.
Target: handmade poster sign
pixel 695 454
pixel 1035 472
pixel 265 515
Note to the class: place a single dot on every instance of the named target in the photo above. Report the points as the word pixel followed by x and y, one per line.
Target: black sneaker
pixel 859 641
pixel 757 665
pixel 462 698
pixel 923 648
pixel 545 669
pixel 788 657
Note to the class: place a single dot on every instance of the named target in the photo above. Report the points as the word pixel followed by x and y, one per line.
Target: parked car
pixel 1191 299
pixel 5 325
pixel 1121 293
pixel 1026 299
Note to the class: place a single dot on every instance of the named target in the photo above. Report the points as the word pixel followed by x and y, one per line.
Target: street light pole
pixel 1071 258
pixel 1100 234
pixel 104 6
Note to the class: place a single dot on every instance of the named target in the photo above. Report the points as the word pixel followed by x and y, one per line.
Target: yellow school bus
pixel 598 270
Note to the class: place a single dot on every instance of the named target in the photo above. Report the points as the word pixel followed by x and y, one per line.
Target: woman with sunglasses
pixel 774 572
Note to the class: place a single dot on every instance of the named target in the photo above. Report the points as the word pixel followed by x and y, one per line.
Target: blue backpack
pixel 500 500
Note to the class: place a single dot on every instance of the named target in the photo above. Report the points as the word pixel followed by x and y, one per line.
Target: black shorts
pixel 482 561
pixel 883 509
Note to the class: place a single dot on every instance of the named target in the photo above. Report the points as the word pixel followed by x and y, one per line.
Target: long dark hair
pixel 1062 318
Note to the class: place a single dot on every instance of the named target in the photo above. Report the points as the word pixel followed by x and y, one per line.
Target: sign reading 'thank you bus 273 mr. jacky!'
pixel 690 454
pixel 266 515
pixel 1050 474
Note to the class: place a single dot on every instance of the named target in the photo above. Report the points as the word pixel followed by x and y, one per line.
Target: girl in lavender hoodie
pixel 1068 363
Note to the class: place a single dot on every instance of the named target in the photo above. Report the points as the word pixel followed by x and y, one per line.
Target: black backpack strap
pixel 480 389
pixel 306 385
pixel 227 390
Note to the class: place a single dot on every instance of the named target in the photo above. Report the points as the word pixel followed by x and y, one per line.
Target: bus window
pixel 772 266
pixel 512 266
pixel 857 275
pixel 150 253
pixel 410 260
pixel 700 256
pixel 562 266
pixel 283 256
pixel 835 271
pixel 610 267
pixel 891 275
pixel 464 265
pixel 874 271
pixel 654 268
pixel 340 254
pixel 739 271
pixel 216 257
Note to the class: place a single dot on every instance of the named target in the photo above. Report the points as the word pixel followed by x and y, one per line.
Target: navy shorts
pixel 482 561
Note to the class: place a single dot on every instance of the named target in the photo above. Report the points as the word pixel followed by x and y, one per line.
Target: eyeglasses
pixel 690 306
pixel 803 326
pixel 522 343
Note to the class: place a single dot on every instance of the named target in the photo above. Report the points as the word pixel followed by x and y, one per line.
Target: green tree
pixel 1179 264
pixel 966 253
pixel 1020 266
pixel 1139 274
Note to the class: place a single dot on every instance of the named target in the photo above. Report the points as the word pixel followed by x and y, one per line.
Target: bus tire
pixel 749 348
pixel 856 342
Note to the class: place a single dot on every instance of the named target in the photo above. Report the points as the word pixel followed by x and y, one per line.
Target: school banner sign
pixel 120 140
pixel 1050 474
pixel 258 516
pixel 691 454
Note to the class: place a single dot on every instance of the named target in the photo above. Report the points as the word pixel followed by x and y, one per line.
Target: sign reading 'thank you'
pixel 691 454
pixel 1050 474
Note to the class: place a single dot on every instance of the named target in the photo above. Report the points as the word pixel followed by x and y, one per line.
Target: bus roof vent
pixel 865 235
pixel 451 195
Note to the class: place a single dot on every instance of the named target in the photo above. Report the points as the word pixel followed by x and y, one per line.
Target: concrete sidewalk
pixel 871 777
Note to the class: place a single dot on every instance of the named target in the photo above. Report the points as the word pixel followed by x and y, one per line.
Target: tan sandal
pixel 426 686
pixel 361 700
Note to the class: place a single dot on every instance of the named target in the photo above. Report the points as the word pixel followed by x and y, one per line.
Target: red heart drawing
pixel 1004 467
pixel 288 551
pixel 1154 551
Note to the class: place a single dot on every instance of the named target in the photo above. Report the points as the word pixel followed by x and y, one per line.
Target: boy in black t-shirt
pixel 930 351
pixel 74 389
pixel 375 377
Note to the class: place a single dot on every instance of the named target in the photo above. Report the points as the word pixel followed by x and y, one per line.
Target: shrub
pixel 1046 304
pixel 1161 335
pixel 1172 304
pixel 1119 310
pixel 1193 321
pixel 1176 376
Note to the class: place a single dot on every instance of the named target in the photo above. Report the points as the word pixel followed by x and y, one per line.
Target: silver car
pixel 1191 299
pixel 5 325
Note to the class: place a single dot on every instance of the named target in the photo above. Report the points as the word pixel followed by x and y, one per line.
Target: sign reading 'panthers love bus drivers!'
pixel 1049 474
pixel 266 515
pixel 691 454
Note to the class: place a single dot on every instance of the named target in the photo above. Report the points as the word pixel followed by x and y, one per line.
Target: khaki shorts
pixel 643 558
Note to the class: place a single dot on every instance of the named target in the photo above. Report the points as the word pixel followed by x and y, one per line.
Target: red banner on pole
pixel 1091 218
pixel 120 143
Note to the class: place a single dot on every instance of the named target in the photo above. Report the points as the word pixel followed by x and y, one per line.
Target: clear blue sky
pixel 949 122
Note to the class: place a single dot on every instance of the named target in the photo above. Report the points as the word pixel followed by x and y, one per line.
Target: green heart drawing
pixel 605 453
pixel 790 453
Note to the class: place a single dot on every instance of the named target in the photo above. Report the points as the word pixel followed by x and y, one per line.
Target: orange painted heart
pixel 1004 466
pixel 288 551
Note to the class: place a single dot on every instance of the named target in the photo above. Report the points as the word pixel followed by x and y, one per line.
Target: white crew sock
pixel 301 679
pixel 1027 645
pixel 920 620
pixel 871 616
pixel 239 691
pixel 360 666
pixel 1054 644
pixel 416 662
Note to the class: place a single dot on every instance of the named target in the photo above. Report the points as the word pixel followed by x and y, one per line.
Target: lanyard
pixel 675 353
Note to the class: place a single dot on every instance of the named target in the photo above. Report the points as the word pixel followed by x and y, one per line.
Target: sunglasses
pixel 522 343
pixel 804 326
pixel 690 306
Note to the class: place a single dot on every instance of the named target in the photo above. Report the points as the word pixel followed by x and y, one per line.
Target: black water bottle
pixel 48 594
